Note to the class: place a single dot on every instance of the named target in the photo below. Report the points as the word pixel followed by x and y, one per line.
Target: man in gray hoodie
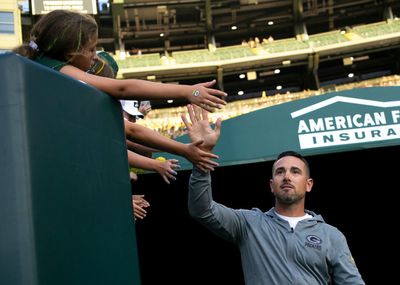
pixel 285 245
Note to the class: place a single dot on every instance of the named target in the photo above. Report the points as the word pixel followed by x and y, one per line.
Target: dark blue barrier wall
pixel 65 199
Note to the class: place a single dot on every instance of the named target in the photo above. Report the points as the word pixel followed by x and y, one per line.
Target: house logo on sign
pixel 381 124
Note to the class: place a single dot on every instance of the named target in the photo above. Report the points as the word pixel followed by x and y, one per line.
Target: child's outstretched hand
pixel 167 168
pixel 139 205
pixel 206 97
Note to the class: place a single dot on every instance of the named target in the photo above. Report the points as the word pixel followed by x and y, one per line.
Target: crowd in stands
pixel 255 42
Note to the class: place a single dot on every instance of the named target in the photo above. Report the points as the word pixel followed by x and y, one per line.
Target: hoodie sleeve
pixel 221 220
pixel 344 269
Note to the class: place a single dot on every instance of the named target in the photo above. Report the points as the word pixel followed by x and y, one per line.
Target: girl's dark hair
pixel 59 35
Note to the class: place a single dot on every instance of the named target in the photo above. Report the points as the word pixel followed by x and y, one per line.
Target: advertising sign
pixel 45 6
pixel 341 121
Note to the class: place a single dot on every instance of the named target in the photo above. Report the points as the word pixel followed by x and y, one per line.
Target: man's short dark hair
pixel 295 154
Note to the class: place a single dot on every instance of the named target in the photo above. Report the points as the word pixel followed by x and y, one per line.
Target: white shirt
pixel 294 220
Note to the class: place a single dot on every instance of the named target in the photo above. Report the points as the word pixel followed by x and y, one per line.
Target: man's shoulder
pixel 253 212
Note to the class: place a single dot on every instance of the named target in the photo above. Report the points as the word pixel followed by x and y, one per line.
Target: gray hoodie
pixel 272 253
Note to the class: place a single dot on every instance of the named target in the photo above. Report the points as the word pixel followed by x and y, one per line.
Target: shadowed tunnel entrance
pixel 353 191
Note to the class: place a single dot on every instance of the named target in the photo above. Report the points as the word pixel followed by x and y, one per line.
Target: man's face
pixel 290 180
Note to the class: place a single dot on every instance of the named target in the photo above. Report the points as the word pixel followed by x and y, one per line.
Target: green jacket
pixel 49 62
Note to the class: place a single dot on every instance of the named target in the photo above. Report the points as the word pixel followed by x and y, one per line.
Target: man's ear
pixel 270 186
pixel 310 183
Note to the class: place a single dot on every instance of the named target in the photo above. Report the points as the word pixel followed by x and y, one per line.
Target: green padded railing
pixel 65 202
pixel 326 39
pixel 144 60
pixel 284 45
pixel 377 29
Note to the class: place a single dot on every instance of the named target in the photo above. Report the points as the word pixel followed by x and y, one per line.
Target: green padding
pixel 65 205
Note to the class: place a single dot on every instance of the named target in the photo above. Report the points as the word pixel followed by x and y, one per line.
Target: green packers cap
pixel 105 66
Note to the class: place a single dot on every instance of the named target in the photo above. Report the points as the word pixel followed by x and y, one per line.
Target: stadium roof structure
pixel 303 44
pixel 159 26
pixel 314 43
